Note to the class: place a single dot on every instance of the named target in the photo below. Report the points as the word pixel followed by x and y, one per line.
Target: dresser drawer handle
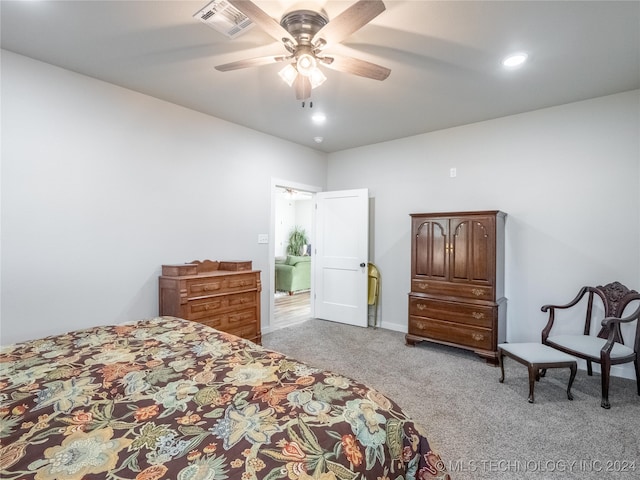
pixel 421 307
pixel 477 292
pixel 477 315
pixel 420 325
pixel 208 288
pixel 423 286
pixel 477 336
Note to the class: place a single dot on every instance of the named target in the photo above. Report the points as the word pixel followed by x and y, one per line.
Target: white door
pixel 340 257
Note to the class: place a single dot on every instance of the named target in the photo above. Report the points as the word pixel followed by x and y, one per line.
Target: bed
pixel 166 398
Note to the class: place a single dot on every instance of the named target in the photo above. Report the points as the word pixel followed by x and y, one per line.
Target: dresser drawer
pixel 250 332
pixel 469 314
pixel 214 285
pixel 475 337
pixel 229 320
pixel 211 306
pixel 450 289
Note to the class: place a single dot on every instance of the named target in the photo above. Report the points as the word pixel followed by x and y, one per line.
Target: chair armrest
pixel 552 308
pixel 573 302
pixel 610 323
pixel 607 322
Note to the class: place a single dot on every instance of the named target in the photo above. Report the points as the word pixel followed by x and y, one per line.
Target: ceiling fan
pixel 305 34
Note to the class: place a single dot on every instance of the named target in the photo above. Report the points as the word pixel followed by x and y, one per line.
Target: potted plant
pixel 297 239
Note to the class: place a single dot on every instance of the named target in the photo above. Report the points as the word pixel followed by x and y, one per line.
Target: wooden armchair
pixel 607 347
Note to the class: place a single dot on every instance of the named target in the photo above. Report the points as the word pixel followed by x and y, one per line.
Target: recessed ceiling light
pixel 318 139
pixel 514 60
pixel 318 118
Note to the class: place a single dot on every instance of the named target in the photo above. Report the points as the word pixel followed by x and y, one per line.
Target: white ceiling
pixel 445 60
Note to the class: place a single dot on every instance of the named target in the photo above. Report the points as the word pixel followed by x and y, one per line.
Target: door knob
pixel 363 265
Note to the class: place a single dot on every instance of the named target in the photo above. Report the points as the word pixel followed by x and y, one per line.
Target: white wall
pixel 285 218
pixel 102 185
pixel 290 213
pixel 567 177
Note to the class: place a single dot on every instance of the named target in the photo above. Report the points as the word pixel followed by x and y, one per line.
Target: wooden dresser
pixel 222 295
pixel 457 281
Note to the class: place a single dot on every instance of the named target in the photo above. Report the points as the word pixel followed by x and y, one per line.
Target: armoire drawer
pixel 478 315
pixel 450 289
pixel 215 285
pixel 475 337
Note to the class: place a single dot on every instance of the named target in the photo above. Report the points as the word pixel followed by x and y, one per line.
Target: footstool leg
pixel 533 370
pixel 501 362
pixel 574 369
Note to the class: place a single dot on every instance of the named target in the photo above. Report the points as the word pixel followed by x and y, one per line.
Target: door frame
pixel 280 182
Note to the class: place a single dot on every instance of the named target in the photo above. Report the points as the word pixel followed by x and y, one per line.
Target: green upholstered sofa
pixel 293 274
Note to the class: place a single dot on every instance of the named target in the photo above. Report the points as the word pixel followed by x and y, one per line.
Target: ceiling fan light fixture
pixel 317 78
pixel 306 64
pixel 288 74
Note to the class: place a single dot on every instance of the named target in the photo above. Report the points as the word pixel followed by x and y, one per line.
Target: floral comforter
pixel 170 399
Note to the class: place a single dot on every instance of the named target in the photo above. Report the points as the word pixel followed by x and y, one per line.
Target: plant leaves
pixel 277 455
pixel 340 471
pixel 310 437
pixel 275 474
pixel 161 375
pixel 394 438
pixel 206 396
pixel 328 393
pixel 191 430
pixel 216 413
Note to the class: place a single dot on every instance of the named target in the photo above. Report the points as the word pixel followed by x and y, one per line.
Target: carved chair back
pixel 615 298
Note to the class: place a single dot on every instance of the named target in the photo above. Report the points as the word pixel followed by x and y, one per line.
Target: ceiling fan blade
pixel 352 19
pixel 262 19
pixel 250 62
pixel 356 67
pixel 302 86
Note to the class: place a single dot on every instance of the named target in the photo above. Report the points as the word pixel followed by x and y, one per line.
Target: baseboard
pixel 396 327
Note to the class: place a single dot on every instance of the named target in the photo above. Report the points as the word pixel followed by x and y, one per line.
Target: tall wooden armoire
pixel 457 281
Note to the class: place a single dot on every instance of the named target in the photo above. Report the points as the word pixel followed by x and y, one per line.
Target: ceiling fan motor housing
pixel 303 24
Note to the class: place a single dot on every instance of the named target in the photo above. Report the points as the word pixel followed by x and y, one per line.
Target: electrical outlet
pixel 453 172
pixel 263 238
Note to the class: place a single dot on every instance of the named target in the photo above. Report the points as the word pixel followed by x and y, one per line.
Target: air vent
pixel 225 18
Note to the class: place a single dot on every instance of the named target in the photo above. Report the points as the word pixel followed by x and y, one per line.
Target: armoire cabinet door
pixel 431 247
pixel 454 249
pixel 472 250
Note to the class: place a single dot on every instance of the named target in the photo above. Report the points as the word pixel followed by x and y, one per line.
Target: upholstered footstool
pixel 537 357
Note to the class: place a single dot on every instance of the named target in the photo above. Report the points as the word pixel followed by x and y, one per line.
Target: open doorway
pixel 292 263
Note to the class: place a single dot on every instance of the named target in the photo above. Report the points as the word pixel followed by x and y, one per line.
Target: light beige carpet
pixel 481 428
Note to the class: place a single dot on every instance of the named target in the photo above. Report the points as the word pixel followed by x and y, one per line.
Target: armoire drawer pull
pixel 477 315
